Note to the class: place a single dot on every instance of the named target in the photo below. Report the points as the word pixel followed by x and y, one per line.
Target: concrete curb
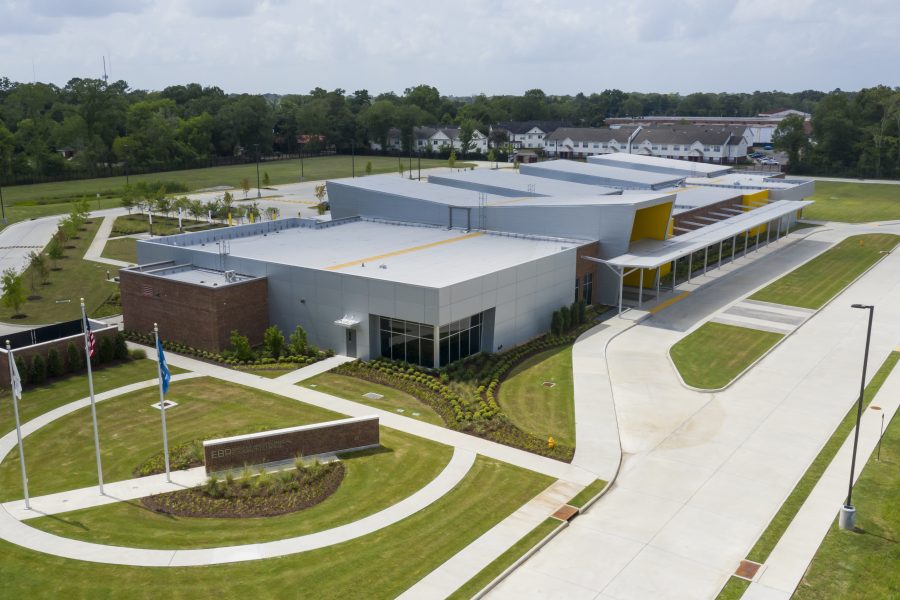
pixel 786 336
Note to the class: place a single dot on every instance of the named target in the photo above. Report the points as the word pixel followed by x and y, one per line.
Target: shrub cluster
pixel 40 367
pixel 568 317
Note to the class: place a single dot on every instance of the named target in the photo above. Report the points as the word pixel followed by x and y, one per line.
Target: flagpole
pixel 162 407
pixel 88 352
pixel 15 394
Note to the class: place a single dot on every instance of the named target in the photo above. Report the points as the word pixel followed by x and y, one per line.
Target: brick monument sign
pixel 343 435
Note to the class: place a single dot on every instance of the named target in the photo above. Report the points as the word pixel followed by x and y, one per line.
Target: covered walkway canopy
pixel 652 254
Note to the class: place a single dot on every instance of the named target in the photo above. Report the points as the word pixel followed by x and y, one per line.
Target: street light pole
pixel 301 162
pixel 353 157
pixel 2 208
pixel 847 519
pixel 126 163
pixel 258 193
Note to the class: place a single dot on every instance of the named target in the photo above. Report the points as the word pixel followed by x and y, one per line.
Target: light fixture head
pixel 861 306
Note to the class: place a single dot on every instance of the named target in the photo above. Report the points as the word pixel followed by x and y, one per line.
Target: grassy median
pixel 854 202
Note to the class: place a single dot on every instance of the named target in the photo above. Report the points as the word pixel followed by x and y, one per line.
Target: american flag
pixel 90 337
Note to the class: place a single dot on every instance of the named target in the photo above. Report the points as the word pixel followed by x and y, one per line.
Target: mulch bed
pixel 243 502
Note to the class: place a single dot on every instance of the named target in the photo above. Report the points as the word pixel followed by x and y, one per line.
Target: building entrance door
pixel 351 343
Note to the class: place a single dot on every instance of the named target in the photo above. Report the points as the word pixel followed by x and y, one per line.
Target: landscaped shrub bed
pixel 181 456
pixel 294 361
pixel 260 495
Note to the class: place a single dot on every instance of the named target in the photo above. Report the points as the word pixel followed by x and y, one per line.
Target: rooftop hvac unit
pixel 230 276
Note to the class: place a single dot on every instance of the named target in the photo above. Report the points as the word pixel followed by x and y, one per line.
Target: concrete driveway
pixel 703 474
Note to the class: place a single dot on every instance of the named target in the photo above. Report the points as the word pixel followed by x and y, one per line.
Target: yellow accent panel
pixel 668 303
pixel 404 251
pixel 651 222
pixel 634 279
pixel 755 200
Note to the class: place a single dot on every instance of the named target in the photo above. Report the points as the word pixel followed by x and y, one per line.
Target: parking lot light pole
pixel 2 208
pixel 258 192
pixel 847 518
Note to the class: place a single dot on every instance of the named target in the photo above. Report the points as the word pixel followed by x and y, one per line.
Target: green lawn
pixel 535 408
pixel 76 278
pixel 351 388
pixel 587 493
pixel 121 249
pixel 36 400
pixel 865 563
pixel 854 202
pixel 35 209
pixel 502 562
pixel 714 354
pixel 280 171
pixel 60 458
pixel 376 566
pixel 406 461
pixel 782 519
pixel 816 282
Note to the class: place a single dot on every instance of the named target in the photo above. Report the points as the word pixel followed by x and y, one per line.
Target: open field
pixel 58 456
pixel 542 410
pixel 36 400
pixel 813 284
pixel 280 171
pixel 854 202
pixel 788 510
pixel 353 389
pixel 714 354
pixel 376 566
pixel 406 461
pixel 75 278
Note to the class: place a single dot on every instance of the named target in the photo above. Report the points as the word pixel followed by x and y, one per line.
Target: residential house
pixel 699 143
pixel 579 142
pixel 528 134
pixel 434 139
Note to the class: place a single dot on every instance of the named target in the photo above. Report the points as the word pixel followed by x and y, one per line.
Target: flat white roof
pixel 738 180
pixel 530 185
pixel 691 197
pixel 420 190
pixel 635 198
pixel 603 172
pixel 413 254
pixel 686 166
pixel 650 254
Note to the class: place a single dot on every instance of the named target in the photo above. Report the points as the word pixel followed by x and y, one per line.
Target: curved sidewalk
pixel 16 532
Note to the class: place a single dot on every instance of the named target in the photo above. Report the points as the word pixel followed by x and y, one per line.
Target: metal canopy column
pixel 674 264
pixel 690 265
pixel 719 264
pixel 757 239
pixel 621 286
pixel 705 256
pixel 733 246
pixel 768 231
pixel 746 239
pixel 641 289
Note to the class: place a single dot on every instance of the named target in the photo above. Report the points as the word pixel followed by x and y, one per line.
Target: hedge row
pixel 40 367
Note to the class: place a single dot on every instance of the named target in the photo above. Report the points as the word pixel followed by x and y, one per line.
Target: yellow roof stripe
pixel 353 263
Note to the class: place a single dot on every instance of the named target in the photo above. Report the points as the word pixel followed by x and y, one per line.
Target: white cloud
pixel 463 47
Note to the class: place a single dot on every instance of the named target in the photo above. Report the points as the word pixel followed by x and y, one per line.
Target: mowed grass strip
pixel 587 493
pixel 60 456
pixel 854 202
pixel 814 283
pixel 505 560
pixel 37 400
pixel 789 508
pixel 351 388
pixel 124 249
pixel 377 566
pixel 865 563
pixel 714 354
pixel 407 462
pixel 540 409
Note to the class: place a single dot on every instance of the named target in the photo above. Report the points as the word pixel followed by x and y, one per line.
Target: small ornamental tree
pixel 556 323
pixel 13 290
pixel 38 369
pixel 368 167
pixel 565 318
pixel 400 166
pixel 106 352
pixel 55 252
pixel 492 156
pixel 451 162
pixel 37 264
pixel 273 340
pixel 121 348
pixel 299 343
pixel 581 308
pixel 245 186
pixel 24 371
pixel 266 181
pixel 240 345
pixel 73 358
pixel 55 366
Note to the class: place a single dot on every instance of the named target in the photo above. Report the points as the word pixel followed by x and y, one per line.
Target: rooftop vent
pixel 230 276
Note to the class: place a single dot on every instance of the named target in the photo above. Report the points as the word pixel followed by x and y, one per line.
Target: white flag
pixel 16 380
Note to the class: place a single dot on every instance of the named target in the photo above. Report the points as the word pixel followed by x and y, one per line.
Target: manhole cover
pixel 167 404
pixel 549 384
pixel 373 396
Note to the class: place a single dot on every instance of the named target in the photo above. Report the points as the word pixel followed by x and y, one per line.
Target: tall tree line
pixel 89 124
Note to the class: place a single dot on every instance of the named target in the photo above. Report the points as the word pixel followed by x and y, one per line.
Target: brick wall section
pixel 196 315
pixel 321 438
pixel 61 346
pixel 583 266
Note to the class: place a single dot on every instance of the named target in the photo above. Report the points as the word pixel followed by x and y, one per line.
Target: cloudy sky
pixel 462 47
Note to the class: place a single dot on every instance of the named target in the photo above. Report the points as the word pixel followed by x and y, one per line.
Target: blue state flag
pixel 163 367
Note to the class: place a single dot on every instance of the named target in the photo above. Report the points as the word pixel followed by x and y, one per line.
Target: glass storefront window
pixel 414 342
